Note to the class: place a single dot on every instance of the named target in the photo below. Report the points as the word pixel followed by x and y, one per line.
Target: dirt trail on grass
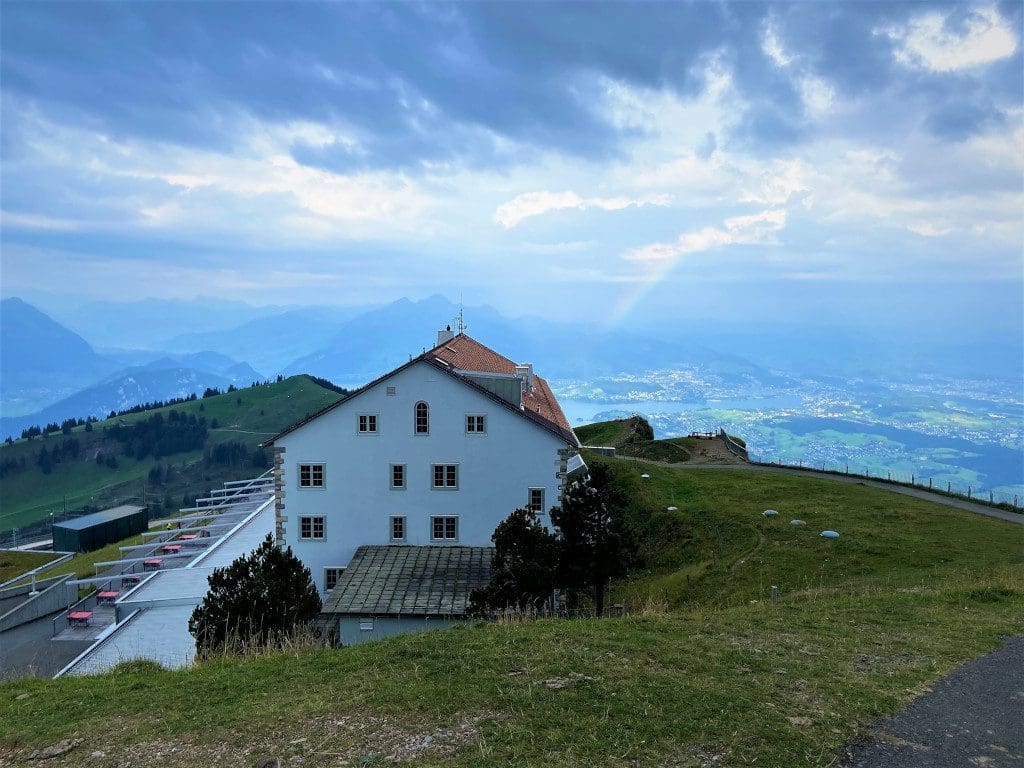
pixel 973 717
pixel 750 552
pixel 917 493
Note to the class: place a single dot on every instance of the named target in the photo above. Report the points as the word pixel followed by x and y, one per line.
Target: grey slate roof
pixel 410 581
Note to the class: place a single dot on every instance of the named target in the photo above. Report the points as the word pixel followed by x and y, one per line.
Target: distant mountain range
pixel 129 388
pixel 270 343
pixel 49 373
pixel 145 324
pixel 381 339
pixel 41 360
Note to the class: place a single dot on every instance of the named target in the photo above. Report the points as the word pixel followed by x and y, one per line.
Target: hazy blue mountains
pixel 270 343
pixel 240 374
pixel 129 388
pixel 376 341
pixel 49 373
pixel 145 324
pixel 41 360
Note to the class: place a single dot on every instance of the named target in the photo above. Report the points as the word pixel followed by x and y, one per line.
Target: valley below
pixel 957 433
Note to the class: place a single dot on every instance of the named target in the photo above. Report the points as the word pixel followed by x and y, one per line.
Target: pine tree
pixel 523 568
pixel 257 600
pixel 593 538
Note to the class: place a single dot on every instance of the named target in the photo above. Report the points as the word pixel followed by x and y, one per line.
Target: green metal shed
pixel 89 532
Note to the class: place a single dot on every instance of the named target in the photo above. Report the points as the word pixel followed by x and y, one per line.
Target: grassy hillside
pixel 634 437
pixel 247 415
pixel 716 674
pixel 14 563
pixel 733 554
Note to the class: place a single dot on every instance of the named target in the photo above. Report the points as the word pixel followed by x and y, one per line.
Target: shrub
pixel 524 566
pixel 259 599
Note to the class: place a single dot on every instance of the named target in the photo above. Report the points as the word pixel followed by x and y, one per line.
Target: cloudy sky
pixel 556 159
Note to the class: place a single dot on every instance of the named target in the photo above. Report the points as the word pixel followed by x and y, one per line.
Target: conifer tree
pixel 523 568
pixel 257 600
pixel 594 544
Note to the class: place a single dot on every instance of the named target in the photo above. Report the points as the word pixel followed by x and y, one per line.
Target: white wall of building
pixel 496 469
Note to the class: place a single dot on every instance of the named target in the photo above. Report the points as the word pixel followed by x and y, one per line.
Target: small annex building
pixel 90 532
pixel 387 590
pixel 391 494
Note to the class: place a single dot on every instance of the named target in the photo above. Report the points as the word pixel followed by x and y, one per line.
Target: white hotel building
pixel 433 454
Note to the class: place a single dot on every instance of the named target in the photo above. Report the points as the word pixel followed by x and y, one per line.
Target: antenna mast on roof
pixel 459 321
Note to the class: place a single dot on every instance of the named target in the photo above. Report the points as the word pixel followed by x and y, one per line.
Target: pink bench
pixel 152 563
pixel 79 618
pixel 171 549
pixel 107 596
pixel 187 536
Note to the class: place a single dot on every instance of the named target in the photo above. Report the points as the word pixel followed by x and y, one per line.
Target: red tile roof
pixel 464 355
pixel 467 354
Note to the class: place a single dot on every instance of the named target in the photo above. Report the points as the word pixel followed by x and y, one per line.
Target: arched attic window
pixel 422 418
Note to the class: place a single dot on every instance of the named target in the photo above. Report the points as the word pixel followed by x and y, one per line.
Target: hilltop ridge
pixel 239 419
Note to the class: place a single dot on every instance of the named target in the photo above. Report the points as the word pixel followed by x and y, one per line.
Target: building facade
pixel 434 453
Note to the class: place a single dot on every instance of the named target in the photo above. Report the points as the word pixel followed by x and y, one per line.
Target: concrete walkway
pixel 27 650
pixel 974 717
pixel 917 493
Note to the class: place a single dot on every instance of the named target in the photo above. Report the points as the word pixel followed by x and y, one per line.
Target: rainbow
pixel 656 272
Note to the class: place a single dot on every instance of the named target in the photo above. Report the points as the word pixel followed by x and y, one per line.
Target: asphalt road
pixel 973 717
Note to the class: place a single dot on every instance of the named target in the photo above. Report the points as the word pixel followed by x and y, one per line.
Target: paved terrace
pixel 149 620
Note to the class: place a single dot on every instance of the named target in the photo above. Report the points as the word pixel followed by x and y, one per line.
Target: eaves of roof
pixel 427 357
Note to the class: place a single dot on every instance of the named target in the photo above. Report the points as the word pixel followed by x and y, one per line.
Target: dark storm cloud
pixel 436 83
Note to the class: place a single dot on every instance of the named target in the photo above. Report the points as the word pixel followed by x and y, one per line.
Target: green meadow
pixel 703 668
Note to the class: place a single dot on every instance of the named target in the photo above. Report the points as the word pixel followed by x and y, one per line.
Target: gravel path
pixel 974 717
pixel 917 493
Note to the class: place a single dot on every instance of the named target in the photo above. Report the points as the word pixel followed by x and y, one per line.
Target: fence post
pixel 1015 500
pixel 890 474
pixel 968 491
pixel 847 469
pixel 912 480
pixel 929 482
pixel 949 486
pixel 990 497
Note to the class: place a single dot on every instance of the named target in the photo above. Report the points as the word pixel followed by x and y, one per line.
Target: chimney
pixel 525 372
pixel 445 336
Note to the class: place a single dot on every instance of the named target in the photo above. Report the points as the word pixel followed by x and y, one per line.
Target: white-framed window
pixel 421 418
pixel 366 625
pixel 311 475
pixel 446 476
pixel 476 423
pixel 397 528
pixel 367 423
pixel 444 528
pixel 398 476
pixel 311 527
pixel 331 576
pixel 536 500
pixel 392 391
